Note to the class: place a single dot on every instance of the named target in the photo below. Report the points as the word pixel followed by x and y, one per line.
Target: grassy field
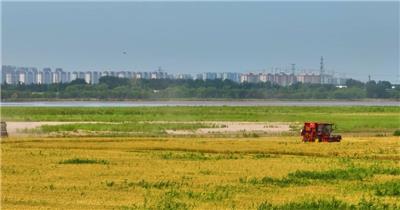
pixel 158 171
pixel 347 119
pixel 200 173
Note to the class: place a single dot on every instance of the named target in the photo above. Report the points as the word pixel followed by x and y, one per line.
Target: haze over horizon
pixel 356 38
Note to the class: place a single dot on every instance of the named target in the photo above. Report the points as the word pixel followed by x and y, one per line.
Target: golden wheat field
pixel 199 173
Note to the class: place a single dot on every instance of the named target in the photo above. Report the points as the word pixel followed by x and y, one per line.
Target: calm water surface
pixel 197 103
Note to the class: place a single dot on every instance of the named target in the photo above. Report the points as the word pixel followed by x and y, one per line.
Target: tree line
pixel 114 88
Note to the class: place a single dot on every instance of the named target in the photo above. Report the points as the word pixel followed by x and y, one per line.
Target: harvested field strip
pixel 159 128
pixel 368 119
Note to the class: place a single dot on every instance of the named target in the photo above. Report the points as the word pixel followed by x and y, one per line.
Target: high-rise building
pixel 231 76
pixel 3 74
pixel 158 75
pixel 21 76
pixel 315 79
pixel 138 75
pixel 249 78
pixel 183 76
pixel 88 77
pixel 105 73
pixel 81 75
pixel 58 76
pixel 31 75
pixel 9 75
pixel 292 79
pixel 39 77
pixel 309 78
pixel 199 77
pixel 270 78
pixel 63 76
pixel 153 75
pixel 121 74
pixel 74 75
pixel 263 77
pixel 209 76
pixel 68 76
pixel 55 78
pixel 146 75
pixel 95 77
pixel 282 79
pixel 47 76
pixel 129 74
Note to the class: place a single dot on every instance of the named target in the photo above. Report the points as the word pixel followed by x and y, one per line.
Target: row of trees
pixel 122 88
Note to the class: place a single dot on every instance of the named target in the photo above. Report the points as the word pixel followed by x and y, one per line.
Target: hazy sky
pixel 355 38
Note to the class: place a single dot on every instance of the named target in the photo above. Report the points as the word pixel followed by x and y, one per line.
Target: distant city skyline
pixel 356 38
pixel 13 75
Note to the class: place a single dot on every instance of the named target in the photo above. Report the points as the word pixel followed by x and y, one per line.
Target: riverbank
pixel 157 103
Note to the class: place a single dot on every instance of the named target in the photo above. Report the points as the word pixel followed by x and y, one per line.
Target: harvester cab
pixel 321 132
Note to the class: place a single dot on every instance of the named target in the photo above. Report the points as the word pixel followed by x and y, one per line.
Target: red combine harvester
pixel 321 132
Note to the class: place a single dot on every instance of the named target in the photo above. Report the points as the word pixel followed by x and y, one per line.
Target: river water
pixel 197 103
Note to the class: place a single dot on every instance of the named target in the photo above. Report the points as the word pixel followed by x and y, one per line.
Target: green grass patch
pixel 283 182
pixel 336 174
pixel 396 132
pixel 143 184
pixel 263 155
pixel 161 184
pixel 198 156
pixel 170 201
pixel 219 193
pixel 329 204
pixel 390 188
pixel 83 161
pixel 158 184
pixel 332 204
pixel 301 177
pixel 351 173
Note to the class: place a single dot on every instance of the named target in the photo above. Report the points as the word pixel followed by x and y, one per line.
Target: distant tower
pixel 321 70
pixel 293 68
pixel 369 78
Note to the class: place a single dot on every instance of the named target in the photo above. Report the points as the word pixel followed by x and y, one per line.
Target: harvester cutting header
pixel 313 131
